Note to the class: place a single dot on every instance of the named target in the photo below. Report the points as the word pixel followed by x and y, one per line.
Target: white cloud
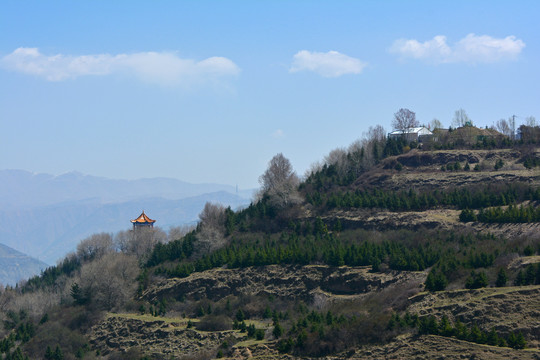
pixel 155 67
pixel 278 134
pixel 329 64
pixel 470 49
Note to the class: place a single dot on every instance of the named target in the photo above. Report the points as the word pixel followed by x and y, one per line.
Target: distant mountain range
pixel 21 189
pixel 15 266
pixel 46 216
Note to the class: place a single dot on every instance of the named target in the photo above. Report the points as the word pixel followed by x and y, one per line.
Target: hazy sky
pixel 209 91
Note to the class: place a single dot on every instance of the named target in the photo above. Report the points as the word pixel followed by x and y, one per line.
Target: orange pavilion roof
pixel 143 219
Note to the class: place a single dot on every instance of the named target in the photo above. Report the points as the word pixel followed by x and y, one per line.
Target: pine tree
pixel 502 278
pixel 58 355
pixel 240 315
pixel 520 342
pixel 520 279
pixel 49 353
pixel 278 330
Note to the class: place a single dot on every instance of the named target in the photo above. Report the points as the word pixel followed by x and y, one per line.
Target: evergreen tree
pixel 502 278
pixel 240 315
pixel 58 355
pixel 49 353
pixel 520 279
pixel 520 342
pixel 278 330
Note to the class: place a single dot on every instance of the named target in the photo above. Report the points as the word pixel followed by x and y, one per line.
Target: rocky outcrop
pixel 507 309
pixel 422 170
pixel 437 347
pixel 156 338
pixel 420 158
pixel 284 281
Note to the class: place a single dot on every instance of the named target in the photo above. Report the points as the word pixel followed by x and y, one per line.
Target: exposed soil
pixel 422 170
pixel 507 309
pixel 289 282
pixel 157 338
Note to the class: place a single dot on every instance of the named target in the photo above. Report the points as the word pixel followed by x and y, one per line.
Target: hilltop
pixel 385 250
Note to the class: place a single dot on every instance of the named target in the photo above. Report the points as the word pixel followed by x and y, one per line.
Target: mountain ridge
pixel 60 227
pixel 16 266
pixel 21 189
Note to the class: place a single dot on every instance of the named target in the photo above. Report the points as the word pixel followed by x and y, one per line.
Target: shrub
pixel 476 280
pixel 528 251
pixel 259 334
pixel 214 323
pixel 278 330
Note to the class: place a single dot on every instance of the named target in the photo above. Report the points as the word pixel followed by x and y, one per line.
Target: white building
pixel 418 134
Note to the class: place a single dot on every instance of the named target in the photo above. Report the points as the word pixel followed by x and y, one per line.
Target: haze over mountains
pixel 15 266
pixel 45 216
pixel 22 189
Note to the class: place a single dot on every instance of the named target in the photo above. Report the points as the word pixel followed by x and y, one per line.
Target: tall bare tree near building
pixel 377 132
pixel 404 119
pixel 530 121
pixel 139 242
pixel 95 246
pixel 460 118
pixel 280 183
pixel 503 127
pixel 435 124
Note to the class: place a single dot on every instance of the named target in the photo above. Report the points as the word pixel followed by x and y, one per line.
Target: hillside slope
pixel 422 255
pixel 16 266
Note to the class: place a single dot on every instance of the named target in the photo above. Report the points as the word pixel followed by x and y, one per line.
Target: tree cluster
pixel 444 327
pixel 531 276
pixel 512 214
pixel 462 198
pixel 323 248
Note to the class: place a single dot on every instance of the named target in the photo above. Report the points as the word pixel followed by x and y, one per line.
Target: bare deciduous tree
pixel 139 242
pixel 435 124
pixel 530 121
pixel 213 215
pixel 122 240
pixel 95 246
pixel 503 127
pixel 110 281
pixel 378 133
pixel 178 232
pixel 460 118
pixel 338 158
pixel 211 235
pixel 404 119
pixel 209 239
pixel 35 303
pixel 280 183
pixel 314 168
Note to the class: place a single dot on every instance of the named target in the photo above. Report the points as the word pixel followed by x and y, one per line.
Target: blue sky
pixel 209 91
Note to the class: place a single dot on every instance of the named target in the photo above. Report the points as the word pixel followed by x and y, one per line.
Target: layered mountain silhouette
pixel 46 216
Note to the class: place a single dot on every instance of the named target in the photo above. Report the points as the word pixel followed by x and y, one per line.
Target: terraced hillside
pixel 415 254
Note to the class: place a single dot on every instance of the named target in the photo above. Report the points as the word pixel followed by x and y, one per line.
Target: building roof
pixel 142 219
pixel 422 130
